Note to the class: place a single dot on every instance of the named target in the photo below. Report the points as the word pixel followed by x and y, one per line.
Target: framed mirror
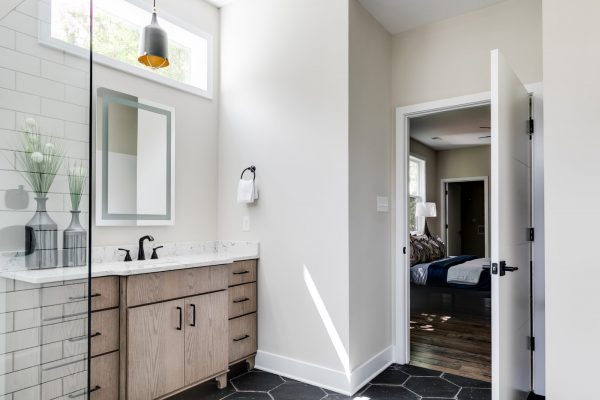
pixel 135 151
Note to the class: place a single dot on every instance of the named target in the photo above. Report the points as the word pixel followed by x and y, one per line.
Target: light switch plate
pixel 246 223
pixel 383 204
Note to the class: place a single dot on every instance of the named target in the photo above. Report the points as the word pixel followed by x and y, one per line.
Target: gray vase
pixel 74 243
pixel 41 245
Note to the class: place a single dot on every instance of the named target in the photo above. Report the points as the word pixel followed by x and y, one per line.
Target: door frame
pixel 486 199
pixel 401 281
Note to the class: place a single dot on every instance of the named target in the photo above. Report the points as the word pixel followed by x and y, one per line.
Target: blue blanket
pixel 437 273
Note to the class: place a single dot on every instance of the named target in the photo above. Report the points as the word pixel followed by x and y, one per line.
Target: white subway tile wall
pixel 43 328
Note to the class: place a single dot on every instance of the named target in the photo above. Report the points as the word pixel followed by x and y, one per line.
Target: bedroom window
pixel 116 27
pixel 416 192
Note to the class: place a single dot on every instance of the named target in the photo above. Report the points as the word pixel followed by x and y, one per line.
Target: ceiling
pixel 220 3
pixel 453 129
pixel 401 15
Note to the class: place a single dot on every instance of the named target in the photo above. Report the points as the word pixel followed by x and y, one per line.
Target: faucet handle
pixel 127 255
pixel 154 255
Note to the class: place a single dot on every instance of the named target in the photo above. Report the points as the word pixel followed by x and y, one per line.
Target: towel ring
pixel 252 169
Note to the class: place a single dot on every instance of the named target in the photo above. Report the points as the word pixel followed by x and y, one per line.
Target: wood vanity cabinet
pixel 157 334
pixel 176 330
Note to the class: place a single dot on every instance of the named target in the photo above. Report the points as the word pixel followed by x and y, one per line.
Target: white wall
pixel 196 127
pixel 571 143
pixel 284 108
pixel 452 57
pixel 370 138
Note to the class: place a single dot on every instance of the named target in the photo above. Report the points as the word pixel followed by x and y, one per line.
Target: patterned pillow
pixel 425 249
pixel 440 247
pixel 415 251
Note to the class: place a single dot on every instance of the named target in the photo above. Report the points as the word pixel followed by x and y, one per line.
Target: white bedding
pixel 467 273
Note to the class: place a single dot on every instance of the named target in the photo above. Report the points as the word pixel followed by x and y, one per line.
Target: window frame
pixel 45 38
pixel 421 197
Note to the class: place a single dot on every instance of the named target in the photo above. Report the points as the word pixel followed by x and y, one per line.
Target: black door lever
pixel 501 268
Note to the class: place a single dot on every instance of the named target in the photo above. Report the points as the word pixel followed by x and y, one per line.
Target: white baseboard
pixel 325 377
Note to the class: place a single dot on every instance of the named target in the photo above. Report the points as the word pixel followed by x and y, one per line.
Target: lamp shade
pixel 154 45
pixel 426 210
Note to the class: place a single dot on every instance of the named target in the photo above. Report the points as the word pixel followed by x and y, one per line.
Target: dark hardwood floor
pixel 452 342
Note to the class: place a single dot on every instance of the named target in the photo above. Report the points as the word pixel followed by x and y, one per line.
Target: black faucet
pixel 141 255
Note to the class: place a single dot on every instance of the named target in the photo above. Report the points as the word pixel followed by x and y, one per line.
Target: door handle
pixel 180 318
pixel 241 300
pixel 501 268
pixel 193 323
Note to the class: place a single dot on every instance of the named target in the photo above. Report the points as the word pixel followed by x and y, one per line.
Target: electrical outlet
pixel 245 223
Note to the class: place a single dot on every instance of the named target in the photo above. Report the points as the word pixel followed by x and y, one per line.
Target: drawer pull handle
pixel 241 338
pixel 193 315
pixel 241 273
pixel 81 393
pixel 74 298
pixel 241 300
pixel 78 338
pixel 180 327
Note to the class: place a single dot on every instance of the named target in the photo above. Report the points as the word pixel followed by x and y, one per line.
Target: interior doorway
pixel 465 215
pixel 402 292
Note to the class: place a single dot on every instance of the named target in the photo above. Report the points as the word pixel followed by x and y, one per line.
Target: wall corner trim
pixel 325 377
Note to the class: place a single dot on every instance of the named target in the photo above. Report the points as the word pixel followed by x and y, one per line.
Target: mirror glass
pixel 134 167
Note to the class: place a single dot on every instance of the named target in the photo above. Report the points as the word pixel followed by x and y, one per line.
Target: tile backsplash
pixel 107 254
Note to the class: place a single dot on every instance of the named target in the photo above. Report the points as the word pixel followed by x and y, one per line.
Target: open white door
pixel 511 218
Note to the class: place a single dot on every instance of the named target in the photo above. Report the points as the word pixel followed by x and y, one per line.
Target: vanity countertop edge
pixel 171 263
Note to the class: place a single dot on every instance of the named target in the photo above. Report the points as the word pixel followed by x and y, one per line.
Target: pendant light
pixel 154 44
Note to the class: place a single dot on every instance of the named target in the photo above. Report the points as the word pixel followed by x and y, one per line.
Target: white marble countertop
pixel 121 268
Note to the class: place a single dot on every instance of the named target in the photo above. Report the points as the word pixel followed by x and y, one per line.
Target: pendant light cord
pixel 154 7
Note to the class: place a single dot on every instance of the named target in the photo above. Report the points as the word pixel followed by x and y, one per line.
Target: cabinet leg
pixel 222 381
pixel 250 363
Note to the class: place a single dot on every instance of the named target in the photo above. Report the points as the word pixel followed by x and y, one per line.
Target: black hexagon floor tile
pixel 474 394
pixel 257 381
pixel 249 396
pixel 390 376
pixel 432 387
pixel 398 382
pixel 417 371
pixel 467 382
pixel 387 392
pixel 297 391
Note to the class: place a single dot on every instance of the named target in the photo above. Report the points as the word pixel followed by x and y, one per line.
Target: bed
pixel 459 272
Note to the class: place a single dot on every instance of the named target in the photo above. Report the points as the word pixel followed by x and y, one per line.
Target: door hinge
pixel 531 126
pixel 531 234
pixel 532 343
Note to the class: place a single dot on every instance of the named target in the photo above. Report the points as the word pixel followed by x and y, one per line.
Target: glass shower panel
pixel 44 201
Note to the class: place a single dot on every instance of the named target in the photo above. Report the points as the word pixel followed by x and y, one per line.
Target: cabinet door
pixel 206 334
pixel 155 348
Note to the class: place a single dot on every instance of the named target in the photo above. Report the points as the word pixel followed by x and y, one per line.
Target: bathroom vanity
pixel 156 334
pixel 157 327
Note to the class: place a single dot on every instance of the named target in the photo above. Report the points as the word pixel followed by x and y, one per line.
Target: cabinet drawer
pixel 242 299
pixel 242 337
pixel 161 286
pixel 242 272
pixel 105 331
pixel 105 293
pixel 104 377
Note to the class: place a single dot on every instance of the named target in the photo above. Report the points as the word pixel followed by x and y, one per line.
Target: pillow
pixel 426 249
pixel 415 251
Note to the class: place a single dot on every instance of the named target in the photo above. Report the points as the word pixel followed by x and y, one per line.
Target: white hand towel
pixel 247 191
